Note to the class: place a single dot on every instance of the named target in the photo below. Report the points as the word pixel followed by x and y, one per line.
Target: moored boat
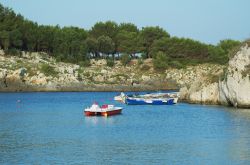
pixel 157 97
pixel 142 101
pixel 104 110
pixel 120 98
pixel 175 100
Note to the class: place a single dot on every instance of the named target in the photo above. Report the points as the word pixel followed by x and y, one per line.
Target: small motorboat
pixel 104 110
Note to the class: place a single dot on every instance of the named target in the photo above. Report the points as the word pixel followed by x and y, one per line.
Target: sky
pixel 208 21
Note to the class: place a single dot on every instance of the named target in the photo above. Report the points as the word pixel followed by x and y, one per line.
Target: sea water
pixel 50 128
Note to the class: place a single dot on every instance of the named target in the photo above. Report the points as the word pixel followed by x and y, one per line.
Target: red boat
pixel 104 110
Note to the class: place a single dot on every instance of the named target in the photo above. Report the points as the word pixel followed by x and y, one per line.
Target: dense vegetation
pixel 107 40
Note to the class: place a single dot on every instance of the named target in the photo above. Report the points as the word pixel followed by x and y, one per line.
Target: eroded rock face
pixel 235 88
pixel 201 92
pixel 207 95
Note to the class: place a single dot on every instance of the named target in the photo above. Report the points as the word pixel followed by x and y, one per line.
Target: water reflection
pixel 239 147
pixel 99 120
pixel 241 113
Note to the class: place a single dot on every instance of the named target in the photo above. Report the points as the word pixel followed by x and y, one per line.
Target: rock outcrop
pixel 231 87
pixel 202 94
pixel 235 88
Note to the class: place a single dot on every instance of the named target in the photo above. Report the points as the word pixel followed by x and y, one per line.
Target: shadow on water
pixel 100 120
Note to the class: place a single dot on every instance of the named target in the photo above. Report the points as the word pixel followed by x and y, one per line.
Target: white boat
pixel 104 110
pixel 120 98
pixel 175 100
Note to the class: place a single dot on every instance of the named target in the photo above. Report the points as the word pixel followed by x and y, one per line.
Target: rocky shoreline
pixel 81 88
pixel 202 84
pixel 26 73
pixel 39 72
pixel 231 87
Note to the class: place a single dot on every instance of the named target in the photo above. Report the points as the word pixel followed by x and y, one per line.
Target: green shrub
pixel 228 45
pixel 80 73
pixel 191 62
pixel 217 55
pixel 59 57
pixel 176 64
pixel 213 78
pixel 86 74
pixel 31 70
pixel 48 70
pixel 70 59
pixel 19 61
pixel 140 62
pixel 120 77
pixel 145 67
pixel 110 62
pixel 235 49
pixel 144 56
pixel 160 61
pixel 80 70
pixel 13 52
pixel 85 63
pixel 125 59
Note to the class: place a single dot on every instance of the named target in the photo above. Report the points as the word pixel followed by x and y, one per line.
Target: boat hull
pixel 158 98
pixel 175 100
pixel 132 101
pixel 104 113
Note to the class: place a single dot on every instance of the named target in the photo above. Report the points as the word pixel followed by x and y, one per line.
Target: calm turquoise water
pixel 49 128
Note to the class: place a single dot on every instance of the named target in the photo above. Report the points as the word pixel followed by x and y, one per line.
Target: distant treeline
pixel 106 40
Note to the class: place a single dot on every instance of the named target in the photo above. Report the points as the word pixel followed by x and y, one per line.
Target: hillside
pixel 40 72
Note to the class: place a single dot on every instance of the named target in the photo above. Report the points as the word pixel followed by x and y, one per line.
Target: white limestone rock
pixel 235 88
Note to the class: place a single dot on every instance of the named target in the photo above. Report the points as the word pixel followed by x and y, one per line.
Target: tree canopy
pixel 104 39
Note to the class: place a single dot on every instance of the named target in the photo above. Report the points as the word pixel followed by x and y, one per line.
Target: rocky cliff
pixel 230 87
pixel 235 87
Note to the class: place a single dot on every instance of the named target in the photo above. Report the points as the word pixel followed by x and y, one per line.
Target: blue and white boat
pixel 143 101
pixel 150 97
